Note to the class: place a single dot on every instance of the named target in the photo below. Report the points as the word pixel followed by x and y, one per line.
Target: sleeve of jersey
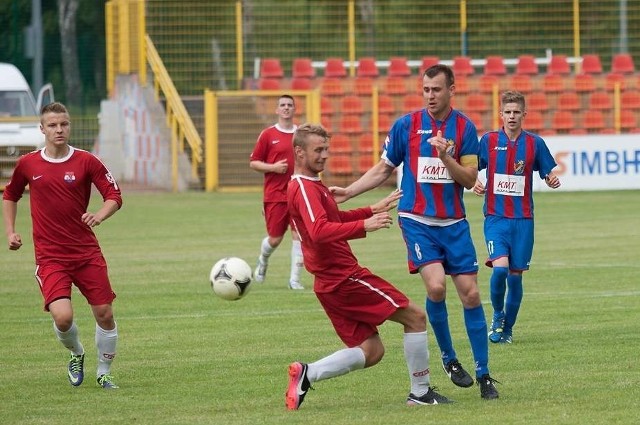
pixel 393 149
pixel 259 152
pixel 483 153
pixel 314 218
pixel 105 182
pixel 15 188
pixel 545 160
pixel 470 147
pixel 355 214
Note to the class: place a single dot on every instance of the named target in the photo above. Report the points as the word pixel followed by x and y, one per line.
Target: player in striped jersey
pixel 437 148
pixel 510 156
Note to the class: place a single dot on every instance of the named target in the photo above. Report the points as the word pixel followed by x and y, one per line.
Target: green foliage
pixel 187 357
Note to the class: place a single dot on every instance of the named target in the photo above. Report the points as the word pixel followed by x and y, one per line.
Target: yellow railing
pixel 178 119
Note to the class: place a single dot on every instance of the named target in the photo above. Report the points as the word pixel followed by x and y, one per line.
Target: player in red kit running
pixel 66 249
pixel 356 300
pixel 273 156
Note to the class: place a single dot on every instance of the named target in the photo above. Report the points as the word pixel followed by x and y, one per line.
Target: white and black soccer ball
pixel 230 278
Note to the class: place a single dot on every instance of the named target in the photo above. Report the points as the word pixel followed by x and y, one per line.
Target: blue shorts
pixel 511 238
pixel 450 245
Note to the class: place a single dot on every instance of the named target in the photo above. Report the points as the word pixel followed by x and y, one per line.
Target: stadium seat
pixel 428 62
pixel 365 143
pixel 326 108
pixel 534 121
pixel 367 68
pixel 494 65
pixel 351 105
pixel 395 86
pixel 486 83
pixel 340 143
pixel 553 83
pixel 385 121
pixel 622 63
pixel 630 100
pixel 537 101
pixel 301 83
pixel 302 68
pixel 340 164
pixel 412 102
pixel 563 121
pixel 462 83
pixel 269 84
pixel 385 104
pixel 332 87
pixel 462 66
pixel 363 86
pixel 569 100
pixel 584 83
pixel 527 65
pixel 335 68
pixel 613 79
pixel 271 68
pixel 628 121
pixel 398 67
pixel 593 121
pixel 591 64
pixel 476 102
pixel 600 100
pixel 350 124
pixel 559 65
pixel 522 83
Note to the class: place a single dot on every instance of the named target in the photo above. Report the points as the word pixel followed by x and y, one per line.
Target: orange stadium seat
pixel 613 79
pixel 494 65
pixel 522 83
pixel 398 67
pixel 534 121
pixel 340 143
pixel 412 102
pixel 385 104
pixel 271 68
pixel 427 62
pixel 363 86
pixel 365 143
pixel 395 86
pixel 563 121
pixel 326 108
pixel 350 124
pixel 591 64
pixel 385 121
pixel 630 100
pixel 462 66
pixel 301 83
pixel 269 84
pixel 332 87
pixel 628 121
pixel 569 100
pixel 593 122
pixel 584 83
pixel 340 164
pixel 622 63
pixel 367 68
pixel 463 85
pixel 476 102
pixel 527 65
pixel 335 68
pixel 559 65
pixel 538 101
pixel 302 68
pixel 600 100
pixel 351 105
pixel 553 83
pixel 486 83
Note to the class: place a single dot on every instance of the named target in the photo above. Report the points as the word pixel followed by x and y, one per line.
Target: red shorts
pixel 276 215
pixel 360 304
pixel 89 276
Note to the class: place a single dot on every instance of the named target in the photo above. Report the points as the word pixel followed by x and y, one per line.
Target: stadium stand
pixel 494 65
pixel 593 121
pixel 537 101
pixel 301 83
pixel 527 65
pixel 612 79
pixel 553 83
pixel 269 84
pixel 486 83
pixel 302 68
pixel 462 66
pixel 332 87
pixel 412 102
pixel 584 83
pixel 367 68
pixel 534 121
pixel 628 121
pixel 385 104
pixel 351 105
pixel 622 63
pixel 335 68
pixel 326 107
pixel 271 68
pixel 591 64
pixel 385 121
pixel 427 62
pixel 569 100
pixel 476 102
pixel 363 86
pixel 350 125
pixel 563 121
pixel 522 83
pixel 394 86
pixel 558 64
pixel 398 67
pixel 600 100
pixel 630 100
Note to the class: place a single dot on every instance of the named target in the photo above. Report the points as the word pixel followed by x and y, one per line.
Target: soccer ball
pixel 230 278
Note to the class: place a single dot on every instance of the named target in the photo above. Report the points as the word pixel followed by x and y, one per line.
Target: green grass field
pixel 188 357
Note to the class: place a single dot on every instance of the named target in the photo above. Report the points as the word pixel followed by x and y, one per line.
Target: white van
pixel 19 118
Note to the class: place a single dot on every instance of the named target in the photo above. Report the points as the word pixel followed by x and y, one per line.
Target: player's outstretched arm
pixel 387 203
pixel 378 221
pixel 374 177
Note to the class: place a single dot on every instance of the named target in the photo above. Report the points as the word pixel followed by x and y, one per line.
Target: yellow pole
pixel 108 7
pixel 375 125
pixel 239 48
pixel 211 141
pixel 352 37
pixel 576 34
pixel 463 27
pixel 142 51
pixel 124 36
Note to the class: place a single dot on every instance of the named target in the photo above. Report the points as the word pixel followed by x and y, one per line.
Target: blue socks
pixel 439 319
pixel 498 287
pixel 476 326
pixel 514 299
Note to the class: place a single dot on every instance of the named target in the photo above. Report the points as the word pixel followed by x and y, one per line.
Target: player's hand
pixel 552 181
pixel 440 143
pixel 280 167
pixel 90 219
pixel 378 221
pixel 479 188
pixel 340 194
pixel 387 203
pixel 15 241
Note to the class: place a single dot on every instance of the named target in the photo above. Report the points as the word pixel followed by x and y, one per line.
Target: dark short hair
pixel 439 68
pixel 512 96
pixel 55 107
pixel 287 96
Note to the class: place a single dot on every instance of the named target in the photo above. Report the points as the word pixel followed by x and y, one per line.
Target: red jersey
pixel 59 192
pixel 324 231
pixel 273 145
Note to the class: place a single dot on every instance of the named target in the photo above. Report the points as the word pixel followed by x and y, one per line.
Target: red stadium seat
pixel 340 143
pixel 494 65
pixel 385 104
pixel 269 84
pixel 534 121
pixel 271 68
pixel 301 83
pixel 385 121
pixel 398 67
pixel 332 87
pixel 477 102
pixel 326 108
pixel 584 83
pixel 395 86
pixel 559 65
pixel 630 100
pixel 486 83
pixel 613 79
pixel 412 102
pixel 340 164
pixel 428 62
pixel 335 68
pixel 593 122
pixel 462 66
pixel 302 68
pixel 537 101
pixel 352 105
pixel 553 83
pixel 622 63
pixel 462 83
pixel 363 86
pixel 628 121
pixel 367 68
pixel 563 121
pixel 527 65
pixel 591 64
pixel 600 100
pixel 570 101
pixel 522 83
pixel 350 124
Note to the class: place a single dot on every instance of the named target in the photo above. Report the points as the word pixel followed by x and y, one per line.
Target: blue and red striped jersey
pixel 510 165
pixel 428 189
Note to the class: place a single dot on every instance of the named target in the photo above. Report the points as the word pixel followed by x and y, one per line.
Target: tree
pixel 67 13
